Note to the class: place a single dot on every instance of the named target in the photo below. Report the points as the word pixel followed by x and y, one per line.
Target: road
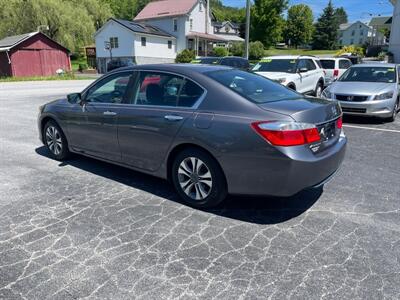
pixel 87 229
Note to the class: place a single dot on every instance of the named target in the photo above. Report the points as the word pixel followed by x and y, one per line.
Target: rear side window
pixel 253 87
pixel 162 89
pixel 344 64
pixel 328 64
pixel 310 65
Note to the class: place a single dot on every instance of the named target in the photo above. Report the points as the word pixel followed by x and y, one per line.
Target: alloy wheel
pixel 195 178
pixel 53 140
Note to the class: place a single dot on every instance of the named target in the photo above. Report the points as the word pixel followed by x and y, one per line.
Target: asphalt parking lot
pixel 87 229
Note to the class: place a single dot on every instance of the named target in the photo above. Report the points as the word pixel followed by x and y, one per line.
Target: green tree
pixel 267 21
pixel 237 49
pixel 326 30
pixel 341 15
pixel 126 9
pixel 299 25
pixel 256 50
pixel 186 56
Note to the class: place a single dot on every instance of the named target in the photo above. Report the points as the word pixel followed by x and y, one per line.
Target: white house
pixel 134 42
pixel 228 31
pixel 357 33
pixel 394 45
pixel 190 21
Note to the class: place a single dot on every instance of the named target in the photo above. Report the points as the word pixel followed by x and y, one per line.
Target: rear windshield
pixel 253 87
pixel 276 65
pixel 370 74
pixel 328 64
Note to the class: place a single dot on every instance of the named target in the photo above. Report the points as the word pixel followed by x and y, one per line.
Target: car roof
pixel 289 57
pixel 185 69
pixel 384 65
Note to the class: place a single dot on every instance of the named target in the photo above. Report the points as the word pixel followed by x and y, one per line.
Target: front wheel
pixel 55 141
pixel 198 178
pixel 396 108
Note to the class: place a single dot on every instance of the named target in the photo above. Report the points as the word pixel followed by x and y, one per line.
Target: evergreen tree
pixel 326 30
pixel 341 15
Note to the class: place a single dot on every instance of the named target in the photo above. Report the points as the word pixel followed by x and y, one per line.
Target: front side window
pixel 143 40
pixel 112 89
pixel 162 89
pixel 253 87
pixel 370 74
pixel 114 42
pixel 276 65
pixel 302 64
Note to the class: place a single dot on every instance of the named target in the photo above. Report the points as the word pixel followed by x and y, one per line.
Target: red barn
pixel 32 54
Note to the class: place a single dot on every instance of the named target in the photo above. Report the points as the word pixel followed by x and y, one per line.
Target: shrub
pixel 382 56
pixel 237 49
pixel 220 51
pixel 82 67
pixel 256 50
pixel 351 49
pixel 186 56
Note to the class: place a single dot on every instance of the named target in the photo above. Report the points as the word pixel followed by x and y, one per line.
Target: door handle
pixel 109 113
pixel 173 118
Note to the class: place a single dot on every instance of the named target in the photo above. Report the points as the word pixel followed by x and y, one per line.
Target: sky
pixel 362 10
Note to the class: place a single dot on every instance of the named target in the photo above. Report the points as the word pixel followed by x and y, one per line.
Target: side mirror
pixel 74 98
pixel 303 70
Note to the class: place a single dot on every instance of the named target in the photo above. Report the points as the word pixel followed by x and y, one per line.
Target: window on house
pixel 227 29
pixel 352 42
pixel 362 32
pixel 200 6
pixel 191 24
pixel 353 33
pixel 175 24
pixel 113 42
pixel 341 34
pixel 360 42
pixel 169 44
pixel 143 39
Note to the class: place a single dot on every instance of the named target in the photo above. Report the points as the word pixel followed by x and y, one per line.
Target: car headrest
pixel 154 94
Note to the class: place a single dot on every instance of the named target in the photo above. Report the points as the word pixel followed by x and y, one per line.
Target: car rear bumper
pixel 381 108
pixel 284 176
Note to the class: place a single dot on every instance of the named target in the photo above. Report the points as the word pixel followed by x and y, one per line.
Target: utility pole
pixel 246 52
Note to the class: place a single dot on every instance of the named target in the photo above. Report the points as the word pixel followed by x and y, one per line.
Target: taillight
pixel 339 123
pixel 335 73
pixel 287 133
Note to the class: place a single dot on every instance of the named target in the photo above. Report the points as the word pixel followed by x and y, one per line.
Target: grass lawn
pixel 43 78
pixel 271 52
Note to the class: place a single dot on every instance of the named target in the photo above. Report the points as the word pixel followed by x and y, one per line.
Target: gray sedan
pixel 368 90
pixel 210 130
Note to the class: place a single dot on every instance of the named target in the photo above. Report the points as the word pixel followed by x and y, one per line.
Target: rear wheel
pixel 198 178
pixel 318 90
pixel 55 140
pixel 396 108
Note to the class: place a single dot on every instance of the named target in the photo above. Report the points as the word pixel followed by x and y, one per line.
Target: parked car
pixel 230 61
pixel 210 130
pixel 368 90
pixel 355 59
pixel 334 68
pixel 300 73
pixel 118 63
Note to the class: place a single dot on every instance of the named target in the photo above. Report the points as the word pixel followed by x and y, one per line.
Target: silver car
pixel 370 90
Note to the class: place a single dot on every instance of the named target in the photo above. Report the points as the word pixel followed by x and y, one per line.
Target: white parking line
pixel 372 128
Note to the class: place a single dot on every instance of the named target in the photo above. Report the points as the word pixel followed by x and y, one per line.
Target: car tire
pixel 198 178
pixel 55 141
pixel 318 90
pixel 395 111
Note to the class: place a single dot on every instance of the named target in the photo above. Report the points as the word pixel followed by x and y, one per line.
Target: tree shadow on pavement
pixel 258 210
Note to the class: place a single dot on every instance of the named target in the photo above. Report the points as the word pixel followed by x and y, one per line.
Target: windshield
pixel 253 87
pixel 327 63
pixel 370 74
pixel 206 60
pixel 276 65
